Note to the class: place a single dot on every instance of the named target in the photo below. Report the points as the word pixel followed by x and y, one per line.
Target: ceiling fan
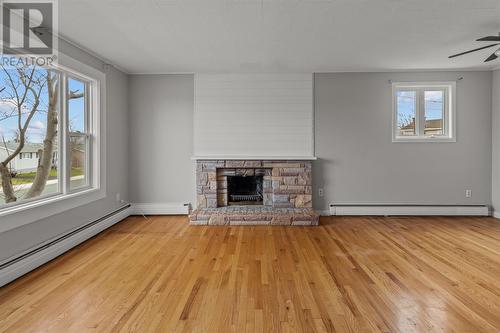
pixel 493 56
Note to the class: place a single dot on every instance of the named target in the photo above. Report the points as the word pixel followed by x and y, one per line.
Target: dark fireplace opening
pixel 244 190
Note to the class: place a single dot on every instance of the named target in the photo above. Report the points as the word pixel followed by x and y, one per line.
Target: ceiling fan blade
pixel 491 57
pixel 478 49
pixel 489 39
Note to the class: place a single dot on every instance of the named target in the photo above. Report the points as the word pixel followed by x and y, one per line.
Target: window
pixel 54 125
pixel 25 155
pixel 424 112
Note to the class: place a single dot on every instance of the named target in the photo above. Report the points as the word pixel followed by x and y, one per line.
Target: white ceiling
pixel 171 36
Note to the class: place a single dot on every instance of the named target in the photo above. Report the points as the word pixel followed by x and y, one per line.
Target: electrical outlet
pixel 321 192
pixel 118 199
pixel 468 193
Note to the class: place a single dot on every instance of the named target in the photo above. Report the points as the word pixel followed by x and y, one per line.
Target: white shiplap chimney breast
pixel 254 116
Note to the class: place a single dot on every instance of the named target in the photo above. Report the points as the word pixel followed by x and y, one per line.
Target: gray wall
pixel 496 142
pixel 17 240
pixel 161 138
pixel 358 163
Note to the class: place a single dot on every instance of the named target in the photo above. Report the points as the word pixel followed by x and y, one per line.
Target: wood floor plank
pixel 350 274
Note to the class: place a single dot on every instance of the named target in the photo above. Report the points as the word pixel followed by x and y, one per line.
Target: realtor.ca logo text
pixel 29 32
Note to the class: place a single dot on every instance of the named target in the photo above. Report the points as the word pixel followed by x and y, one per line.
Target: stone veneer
pixel 286 184
pixel 254 215
pixel 287 189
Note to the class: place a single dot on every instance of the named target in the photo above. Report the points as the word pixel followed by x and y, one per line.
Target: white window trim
pixel 450 110
pixel 38 208
pixel 89 124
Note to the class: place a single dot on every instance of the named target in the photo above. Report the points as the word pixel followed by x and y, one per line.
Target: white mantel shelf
pixel 255 158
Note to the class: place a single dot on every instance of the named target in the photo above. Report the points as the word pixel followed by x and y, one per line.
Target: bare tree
pixel 26 86
pixel 16 188
pixel 45 156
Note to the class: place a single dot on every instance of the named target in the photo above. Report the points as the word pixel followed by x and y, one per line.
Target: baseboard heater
pixel 160 208
pixel 19 265
pixel 409 210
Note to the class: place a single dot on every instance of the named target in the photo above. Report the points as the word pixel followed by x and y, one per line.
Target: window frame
pixel 449 119
pixel 28 211
pixel 88 134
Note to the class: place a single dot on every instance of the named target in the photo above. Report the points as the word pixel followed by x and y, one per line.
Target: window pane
pixel 76 106
pixel 406 112
pixel 25 179
pixel 78 155
pixel 434 112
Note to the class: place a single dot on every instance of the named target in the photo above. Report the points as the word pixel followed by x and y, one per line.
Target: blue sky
pixel 406 105
pixel 37 127
pixel 76 107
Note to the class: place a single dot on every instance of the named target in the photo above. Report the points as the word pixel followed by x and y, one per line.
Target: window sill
pixel 423 139
pixel 26 213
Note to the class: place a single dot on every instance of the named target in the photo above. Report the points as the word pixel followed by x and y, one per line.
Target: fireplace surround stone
pixel 287 184
pixel 287 192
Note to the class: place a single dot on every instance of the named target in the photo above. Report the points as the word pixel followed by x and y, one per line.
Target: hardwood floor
pixel 351 274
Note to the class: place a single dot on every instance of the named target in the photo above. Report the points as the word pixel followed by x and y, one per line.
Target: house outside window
pixel 424 112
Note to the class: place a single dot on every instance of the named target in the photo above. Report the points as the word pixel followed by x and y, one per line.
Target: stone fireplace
pixel 254 192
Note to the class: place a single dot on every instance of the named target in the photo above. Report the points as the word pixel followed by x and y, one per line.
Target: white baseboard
pixel 159 209
pixel 29 263
pixel 496 214
pixel 382 210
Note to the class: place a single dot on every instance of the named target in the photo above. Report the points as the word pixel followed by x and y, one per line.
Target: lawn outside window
pixel 424 112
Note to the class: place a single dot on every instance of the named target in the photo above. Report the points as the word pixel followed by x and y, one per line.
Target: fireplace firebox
pixel 244 190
